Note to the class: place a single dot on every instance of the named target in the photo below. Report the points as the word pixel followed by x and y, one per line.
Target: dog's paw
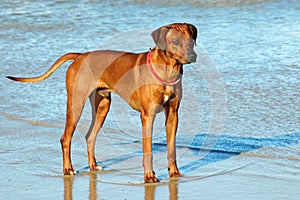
pixel 173 171
pixel 94 167
pixel 70 171
pixel 175 174
pixel 97 168
pixel 150 177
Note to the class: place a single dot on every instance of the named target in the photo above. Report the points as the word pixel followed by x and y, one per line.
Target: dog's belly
pixel 104 92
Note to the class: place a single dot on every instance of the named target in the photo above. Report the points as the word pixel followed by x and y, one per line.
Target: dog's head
pixel 178 41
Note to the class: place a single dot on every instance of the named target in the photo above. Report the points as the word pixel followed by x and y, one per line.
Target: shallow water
pixel 239 129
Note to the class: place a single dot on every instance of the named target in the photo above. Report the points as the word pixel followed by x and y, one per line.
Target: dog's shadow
pixel 224 147
pixel 229 146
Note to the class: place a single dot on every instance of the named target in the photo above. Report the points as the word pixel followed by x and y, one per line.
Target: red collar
pixel 157 76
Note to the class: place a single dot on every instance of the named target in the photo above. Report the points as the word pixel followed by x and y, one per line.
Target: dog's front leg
pixel 147 123
pixel 171 129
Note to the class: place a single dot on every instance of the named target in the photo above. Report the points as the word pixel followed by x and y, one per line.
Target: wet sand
pixel 31 169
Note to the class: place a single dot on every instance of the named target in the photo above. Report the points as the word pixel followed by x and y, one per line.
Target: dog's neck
pixel 169 72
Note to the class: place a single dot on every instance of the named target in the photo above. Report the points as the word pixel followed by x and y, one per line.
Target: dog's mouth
pixel 191 58
pixel 183 59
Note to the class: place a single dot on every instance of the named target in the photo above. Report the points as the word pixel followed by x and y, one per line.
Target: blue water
pixel 241 100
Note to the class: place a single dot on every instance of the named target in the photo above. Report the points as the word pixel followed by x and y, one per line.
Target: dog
pixel 150 82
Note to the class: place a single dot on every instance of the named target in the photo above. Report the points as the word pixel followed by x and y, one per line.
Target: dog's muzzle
pixel 192 57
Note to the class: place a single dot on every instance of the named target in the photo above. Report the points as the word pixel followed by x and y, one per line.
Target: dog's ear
pixel 193 31
pixel 159 37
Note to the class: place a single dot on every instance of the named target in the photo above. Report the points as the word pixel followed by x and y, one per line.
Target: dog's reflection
pixel 149 189
pixel 173 190
pixel 68 186
pixel 93 186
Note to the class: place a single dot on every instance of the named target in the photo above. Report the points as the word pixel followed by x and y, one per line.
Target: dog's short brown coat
pixel 95 75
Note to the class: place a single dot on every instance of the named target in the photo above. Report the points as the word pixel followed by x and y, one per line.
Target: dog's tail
pixel 57 64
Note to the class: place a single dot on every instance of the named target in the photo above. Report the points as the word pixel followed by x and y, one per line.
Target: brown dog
pixel 150 82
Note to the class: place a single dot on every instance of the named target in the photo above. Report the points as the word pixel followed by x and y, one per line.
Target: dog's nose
pixel 192 57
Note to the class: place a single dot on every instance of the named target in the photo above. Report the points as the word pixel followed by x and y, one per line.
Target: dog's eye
pixel 176 42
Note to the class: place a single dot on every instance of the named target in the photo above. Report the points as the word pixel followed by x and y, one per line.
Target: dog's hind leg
pixel 78 90
pixel 100 106
pixel 72 119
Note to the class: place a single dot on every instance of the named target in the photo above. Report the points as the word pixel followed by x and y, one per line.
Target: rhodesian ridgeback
pixel 150 82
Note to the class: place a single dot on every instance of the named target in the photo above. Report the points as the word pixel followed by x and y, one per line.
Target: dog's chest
pixel 166 98
pixel 168 94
